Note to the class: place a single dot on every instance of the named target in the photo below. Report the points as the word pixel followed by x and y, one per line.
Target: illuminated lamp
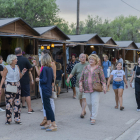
pixel 52 45
pixel 42 47
pixel 48 47
pixel 92 46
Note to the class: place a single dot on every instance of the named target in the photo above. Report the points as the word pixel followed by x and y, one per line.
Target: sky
pixel 107 9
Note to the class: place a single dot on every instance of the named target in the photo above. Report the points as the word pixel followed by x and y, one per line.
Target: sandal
pixel 116 107
pixel 51 130
pixel 74 97
pixel 7 123
pixel 92 122
pixel 18 123
pixel 45 127
pixel 82 116
pixel 121 108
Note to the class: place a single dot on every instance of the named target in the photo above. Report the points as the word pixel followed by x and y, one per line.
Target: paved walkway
pixel 111 123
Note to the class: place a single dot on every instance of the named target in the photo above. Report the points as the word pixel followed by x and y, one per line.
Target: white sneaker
pixel 2 110
pixel 41 110
pixel 138 110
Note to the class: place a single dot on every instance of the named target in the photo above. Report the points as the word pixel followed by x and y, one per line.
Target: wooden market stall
pixel 128 50
pixel 58 37
pixel 92 42
pixel 15 32
pixel 108 48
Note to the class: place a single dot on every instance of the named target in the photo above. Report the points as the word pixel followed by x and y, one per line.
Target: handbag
pixel 97 87
pixel 10 88
pixel 54 94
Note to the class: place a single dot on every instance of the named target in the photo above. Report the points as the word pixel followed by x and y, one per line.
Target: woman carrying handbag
pixel 91 82
pixel 136 78
pixel 11 76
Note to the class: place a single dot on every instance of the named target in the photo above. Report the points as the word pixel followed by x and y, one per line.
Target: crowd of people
pixel 89 77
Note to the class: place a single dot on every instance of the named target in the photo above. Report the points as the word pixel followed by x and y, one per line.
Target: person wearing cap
pixel 94 52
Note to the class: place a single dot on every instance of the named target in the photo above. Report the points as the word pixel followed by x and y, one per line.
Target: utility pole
pixel 78 9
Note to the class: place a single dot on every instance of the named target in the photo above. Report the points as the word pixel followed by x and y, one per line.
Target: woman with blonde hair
pixel 44 122
pixel 11 76
pixel 46 80
pixel 91 75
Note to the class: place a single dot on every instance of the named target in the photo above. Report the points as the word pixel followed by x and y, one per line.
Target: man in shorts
pixel 25 80
pixel 77 70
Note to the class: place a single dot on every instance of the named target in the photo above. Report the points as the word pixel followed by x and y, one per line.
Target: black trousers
pixel 48 108
pixel 137 92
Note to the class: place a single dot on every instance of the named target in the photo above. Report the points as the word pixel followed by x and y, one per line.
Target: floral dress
pixel 69 70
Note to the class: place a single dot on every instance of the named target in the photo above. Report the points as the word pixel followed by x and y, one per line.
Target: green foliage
pixel 34 12
pixel 121 28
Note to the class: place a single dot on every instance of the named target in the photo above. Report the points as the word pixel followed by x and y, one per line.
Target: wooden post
pixel 123 55
pixel 101 53
pixel 64 62
pixel 81 49
pixel 78 7
pixel 64 58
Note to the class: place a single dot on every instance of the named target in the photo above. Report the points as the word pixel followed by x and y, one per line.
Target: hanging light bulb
pixel 48 47
pixel 42 47
pixel 91 46
pixel 52 45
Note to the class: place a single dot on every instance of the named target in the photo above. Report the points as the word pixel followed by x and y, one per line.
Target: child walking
pixel 118 84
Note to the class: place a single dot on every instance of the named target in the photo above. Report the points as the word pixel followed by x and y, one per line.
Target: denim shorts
pixel 118 84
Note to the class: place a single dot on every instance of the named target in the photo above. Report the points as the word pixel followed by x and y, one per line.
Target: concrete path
pixel 111 123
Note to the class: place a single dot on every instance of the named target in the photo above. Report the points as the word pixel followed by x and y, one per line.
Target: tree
pixel 34 12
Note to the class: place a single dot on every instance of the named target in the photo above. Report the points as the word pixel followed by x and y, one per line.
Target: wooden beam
pixel 64 58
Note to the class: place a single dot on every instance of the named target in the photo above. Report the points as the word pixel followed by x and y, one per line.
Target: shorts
pixel 58 83
pixel 80 95
pixel 118 84
pixel 25 90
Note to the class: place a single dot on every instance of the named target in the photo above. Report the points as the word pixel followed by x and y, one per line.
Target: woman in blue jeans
pixel 46 80
pixel 118 84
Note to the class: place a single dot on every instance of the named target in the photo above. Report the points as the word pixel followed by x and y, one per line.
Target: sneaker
pixel 41 110
pixel 31 112
pixel 138 110
pixel 2 110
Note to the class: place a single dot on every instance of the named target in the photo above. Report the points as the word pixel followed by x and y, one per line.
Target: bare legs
pixel 83 104
pixel 2 92
pixel 28 100
pixel 118 97
pixel 74 92
pixel 109 84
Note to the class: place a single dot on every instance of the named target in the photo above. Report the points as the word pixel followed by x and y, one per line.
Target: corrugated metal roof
pixel 124 43
pixel 106 39
pixel 81 38
pixel 138 44
pixel 42 30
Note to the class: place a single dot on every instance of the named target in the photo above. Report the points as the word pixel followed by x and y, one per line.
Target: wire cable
pixel 130 5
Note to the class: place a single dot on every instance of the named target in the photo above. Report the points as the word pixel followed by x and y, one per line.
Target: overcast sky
pixel 103 8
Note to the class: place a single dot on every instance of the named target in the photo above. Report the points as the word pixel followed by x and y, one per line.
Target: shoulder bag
pixel 97 87
pixel 10 88
pixel 54 94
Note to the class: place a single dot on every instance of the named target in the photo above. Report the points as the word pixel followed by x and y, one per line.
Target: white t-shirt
pixel 118 74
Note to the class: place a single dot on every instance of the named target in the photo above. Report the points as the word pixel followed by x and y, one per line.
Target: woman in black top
pixel 69 69
pixel 136 75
